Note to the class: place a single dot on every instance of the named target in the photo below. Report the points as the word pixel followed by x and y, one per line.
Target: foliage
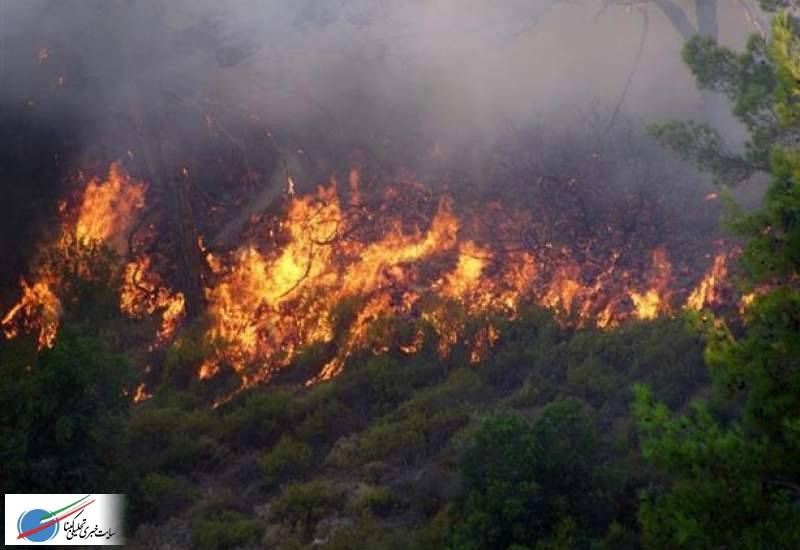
pixel 64 418
pixel 749 81
pixel 379 501
pixel 287 458
pixel 159 496
pixel 733 479
pixel 259 418
pixel 228 529
pixel 527 481
pixel 172 440
pixel 302 505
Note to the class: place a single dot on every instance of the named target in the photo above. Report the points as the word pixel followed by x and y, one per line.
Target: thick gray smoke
pixel 361 70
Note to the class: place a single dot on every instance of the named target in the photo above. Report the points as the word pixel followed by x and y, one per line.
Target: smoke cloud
pixel 359 70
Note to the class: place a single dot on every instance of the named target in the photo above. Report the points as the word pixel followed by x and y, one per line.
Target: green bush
pixel 287 458
pixel 525 481
pixel 260 418
pixel 169 439
pixel 462 387
pixel 63 411
pixel 302 505
pixel 326 421
pixel 402 440
pixel 160 496
pixel 228 529
pixel 378 501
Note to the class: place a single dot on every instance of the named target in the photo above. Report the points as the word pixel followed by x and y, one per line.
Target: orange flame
pixel 266 306
pixel 707 292
pixel 655 300
pixel 108 208
pixel 37 311
pixel 105 214
pixel 141 394
pixel 143 293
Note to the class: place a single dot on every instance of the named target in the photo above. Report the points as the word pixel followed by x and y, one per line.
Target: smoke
pixel 358 70
pixel 88 81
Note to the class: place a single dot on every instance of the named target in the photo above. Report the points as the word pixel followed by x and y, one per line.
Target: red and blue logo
pixel 39 525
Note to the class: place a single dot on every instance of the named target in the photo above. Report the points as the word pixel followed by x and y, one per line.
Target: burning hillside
pixel 102 216
pixel 389 268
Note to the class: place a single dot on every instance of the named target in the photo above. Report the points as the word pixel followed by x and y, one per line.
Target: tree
pixel 733 474
pixel 532 483
pixel 707 26
pixel 64 408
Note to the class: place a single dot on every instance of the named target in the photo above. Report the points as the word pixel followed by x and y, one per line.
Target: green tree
pixel 64 408
pixel 66 414
pixel 532 483
pixel 734 478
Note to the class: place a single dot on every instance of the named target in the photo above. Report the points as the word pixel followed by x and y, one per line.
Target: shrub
pixel 302 505
pixel 287 458
pixel 228 529
pixel 379 501
pixel 260 418
pixel 525 481
pixel 172 440
pixel 402 440
pixel 160 496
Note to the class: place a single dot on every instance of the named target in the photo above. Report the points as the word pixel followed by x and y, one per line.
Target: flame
pixel 563 288
pixel 746 301
pixel 707 292
pixel 108 208
pixel 105 213
pixel 467 274
pixel 266 306
pixel 360 277
pixel 141 394
pixel 655 300
pixel 143 293
pixel 323 278
pixel 38 310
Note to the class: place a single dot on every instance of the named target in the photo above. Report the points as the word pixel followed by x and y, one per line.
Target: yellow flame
pixel 705 293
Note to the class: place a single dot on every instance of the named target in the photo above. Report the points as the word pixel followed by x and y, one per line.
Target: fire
pixel 37 311
pixel 141 394
pixel 467 274
pixel 268 306
pixel 318 280
pixel 108 208
pixel 707 292
pixel 105 213
pixel 563 288
pixel 655 300
pixel 360 273
pixel 143 293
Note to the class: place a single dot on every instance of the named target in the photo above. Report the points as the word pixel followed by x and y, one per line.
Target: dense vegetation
pixel 673 433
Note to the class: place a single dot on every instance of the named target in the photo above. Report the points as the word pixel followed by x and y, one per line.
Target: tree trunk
pixel 707 25
pixel 715 107
pixel 181 217
pixel 190 260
